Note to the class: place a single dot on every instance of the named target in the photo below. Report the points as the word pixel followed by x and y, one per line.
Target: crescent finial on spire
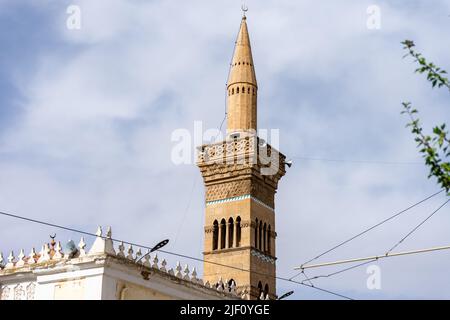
pixel 244 9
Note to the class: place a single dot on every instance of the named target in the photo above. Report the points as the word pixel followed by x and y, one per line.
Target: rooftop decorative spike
pixel 178 270
pixel 44 254
pixel 163 265
pixel 82 246
pixel 130 252
pixel 155 262
pixel 32 257
pixel 21 261
pixel 186 273
pixel 102 245
pixel 138 254
pixel 194 275
pixel 121 252
pixel 58 251
pixel 109 233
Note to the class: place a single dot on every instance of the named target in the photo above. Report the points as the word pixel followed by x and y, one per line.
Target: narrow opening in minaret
pixel 215 235
pixel 260 231
pixel 260 289
pixel 238 231
pixel 256 233
pixel 264 238
pixel 223 233
pixel 230 232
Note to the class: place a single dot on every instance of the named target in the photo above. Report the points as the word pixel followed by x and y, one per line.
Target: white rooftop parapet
pixel 103 244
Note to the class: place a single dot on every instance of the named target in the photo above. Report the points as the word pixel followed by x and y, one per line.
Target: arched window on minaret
pixel 238 231
pixel 256 233
pixel 230 232
pixel 237 90
pixel 264 248
pixel 223 233
pixel 248 90
pixel 260 289
pixel 269 234
pixel 215 235
pixel 243 89
pixel 266 289
pixel 260 231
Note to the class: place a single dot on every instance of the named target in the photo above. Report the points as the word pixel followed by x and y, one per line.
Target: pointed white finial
pixel 178 270
pixel 220 285
pixel 58 251
pixel 1 260
pixel 186 272
pixel 130 252
pixel 109 233
pixel 99 231
pixel 155 262
pixel 233 288
pixel 11 257
pixel 194 275
pixel 82 246
pixel 31 256
pixel 163 265
pixel 20 261
pixel 147 258
pixel 138 254
pixel 121 252
pixel 226 285
pixel 11 261
pixel 261 296
pixel 45 254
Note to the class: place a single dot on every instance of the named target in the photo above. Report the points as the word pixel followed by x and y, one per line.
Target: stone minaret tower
pixel 240 190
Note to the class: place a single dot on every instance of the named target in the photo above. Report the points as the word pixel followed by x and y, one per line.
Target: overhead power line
pixel 358 161
pixel 417 227
pixel 171 253
pixel 338 272
pixel 373 227
pixel 367 260
pixel 388 255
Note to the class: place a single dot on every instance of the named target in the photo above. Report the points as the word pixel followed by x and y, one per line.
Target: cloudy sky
pixel 86 118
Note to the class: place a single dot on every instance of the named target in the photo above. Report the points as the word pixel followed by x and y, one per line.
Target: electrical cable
pixel 169 252
pixel 358 161
pixel 372 227
pixel 417 227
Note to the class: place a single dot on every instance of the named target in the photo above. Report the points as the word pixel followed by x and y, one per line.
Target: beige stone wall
pixel 239 257
pixel 242 114
pixel 129 291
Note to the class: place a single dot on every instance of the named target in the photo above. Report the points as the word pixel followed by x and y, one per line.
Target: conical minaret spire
pixel 242 86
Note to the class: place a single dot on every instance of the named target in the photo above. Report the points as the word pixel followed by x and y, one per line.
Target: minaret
pixel 239 194
pixel 242 87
